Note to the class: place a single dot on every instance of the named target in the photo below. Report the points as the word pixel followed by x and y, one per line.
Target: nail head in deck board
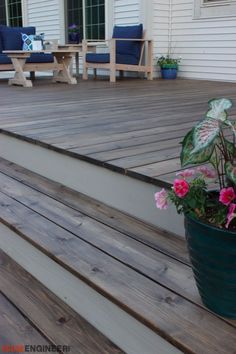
pixel 168 314
pixel 49 314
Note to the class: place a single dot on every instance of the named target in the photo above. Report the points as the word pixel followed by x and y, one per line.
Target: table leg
pixel 19 77
pixel 77 64
pixel 63 74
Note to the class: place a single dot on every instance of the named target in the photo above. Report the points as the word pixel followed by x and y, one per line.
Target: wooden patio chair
pixel 126 53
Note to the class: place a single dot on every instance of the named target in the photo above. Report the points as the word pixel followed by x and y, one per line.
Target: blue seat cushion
pixel 128 47
pixel 40 58
pixel 105 58
pixel 97 58
pixel 4 59
pixel 11 37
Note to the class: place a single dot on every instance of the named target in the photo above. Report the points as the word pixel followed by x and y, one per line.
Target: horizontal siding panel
pixel 44 15
pixel 126 12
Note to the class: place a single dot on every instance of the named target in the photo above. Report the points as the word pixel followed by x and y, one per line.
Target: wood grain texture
pixel 155 288
pixel 132 127
pixel 15 329
pixel 59 323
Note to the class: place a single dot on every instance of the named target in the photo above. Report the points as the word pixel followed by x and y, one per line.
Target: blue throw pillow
pixel 27 41
pixel 11 37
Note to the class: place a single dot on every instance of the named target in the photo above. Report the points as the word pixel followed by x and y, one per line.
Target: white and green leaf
pixel 230 171
pixel 189 158
pixel 204 134
pixel 218 108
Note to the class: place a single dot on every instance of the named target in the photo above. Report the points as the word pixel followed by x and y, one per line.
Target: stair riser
pixel 127 194
pixel 124 330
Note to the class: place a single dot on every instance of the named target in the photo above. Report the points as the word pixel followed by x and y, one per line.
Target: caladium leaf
pixel 214 160
pixel 218 108
pixel 230 171
pixel 188 158
pixel 205 133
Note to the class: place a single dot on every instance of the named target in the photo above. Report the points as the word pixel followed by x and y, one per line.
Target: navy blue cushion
pixel 97 58
pixel 11 36
pixel 40 58
pixel 4 59
pixel 105 58
pixel 128 47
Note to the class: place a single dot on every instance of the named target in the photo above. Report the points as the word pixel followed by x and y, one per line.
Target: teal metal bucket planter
pixel 169 73
pixel 213 258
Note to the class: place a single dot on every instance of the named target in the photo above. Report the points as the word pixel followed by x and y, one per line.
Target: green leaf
pixel 188 158
pixel 205 133
pixel 230 147
pixel 218 108
pixel 230 171
pixel 214 160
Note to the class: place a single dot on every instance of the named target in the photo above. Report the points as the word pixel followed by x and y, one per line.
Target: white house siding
pixel 207 46
pixel 127 12
pixel 45 16
pixel 160 28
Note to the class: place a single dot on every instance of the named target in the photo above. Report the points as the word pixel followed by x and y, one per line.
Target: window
pixel 89 16
pixel 14 13
pixel 214 8
pixel 3 17
pixel 11 13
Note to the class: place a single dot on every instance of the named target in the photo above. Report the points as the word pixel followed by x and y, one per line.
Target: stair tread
pixel 51 316
pixel 146 281
pixel 15 329
pixel 157 239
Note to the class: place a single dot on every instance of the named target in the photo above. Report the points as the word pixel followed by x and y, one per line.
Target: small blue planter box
pixel 169 74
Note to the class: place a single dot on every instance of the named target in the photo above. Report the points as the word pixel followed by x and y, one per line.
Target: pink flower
pixel 161 199
pixel 207 172
pixel 227 195
pixel 181 187
pixel 186 173
pixel 231 215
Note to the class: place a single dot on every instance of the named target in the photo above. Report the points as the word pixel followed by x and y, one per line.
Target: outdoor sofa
pixel 10 39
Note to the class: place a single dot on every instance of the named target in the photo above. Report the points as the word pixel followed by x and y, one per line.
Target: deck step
pixel 38 317
pixel 140 272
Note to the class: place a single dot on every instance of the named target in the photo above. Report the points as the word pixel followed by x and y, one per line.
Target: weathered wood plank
pixel 165 312
pixel 157 239
pixel 94 113
pixel 15 329
pixel 49 314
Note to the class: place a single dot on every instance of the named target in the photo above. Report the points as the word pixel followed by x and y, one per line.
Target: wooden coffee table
pixel 60 67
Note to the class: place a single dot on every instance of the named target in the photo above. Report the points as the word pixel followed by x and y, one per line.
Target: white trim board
pixel 124 193
pixel 121 328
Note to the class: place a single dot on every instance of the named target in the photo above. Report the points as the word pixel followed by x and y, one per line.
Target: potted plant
pixel 210 213
pixel 73 32
pixel 169 67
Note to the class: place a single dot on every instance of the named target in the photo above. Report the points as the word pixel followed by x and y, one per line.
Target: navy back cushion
pixel 11 37
pixel 128 47
pixel 1 44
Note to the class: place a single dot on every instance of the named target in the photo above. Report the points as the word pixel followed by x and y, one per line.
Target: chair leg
pixel 85 72
pixel 150 75
pixel 32 75
pixel 94 73
pixel 112 75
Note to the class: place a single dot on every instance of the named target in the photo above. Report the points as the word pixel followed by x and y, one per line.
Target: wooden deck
pixel 31 315
pixel 138 268
pixel 133 127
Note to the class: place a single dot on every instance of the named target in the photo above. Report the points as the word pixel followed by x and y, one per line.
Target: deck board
pixel 133 127
pixel 57 321
pixel 151 285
